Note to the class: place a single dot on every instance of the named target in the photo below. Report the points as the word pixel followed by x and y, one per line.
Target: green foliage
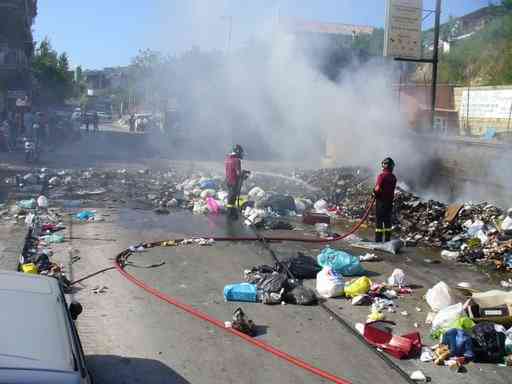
pixel 485 58
pixel 372 45
pixel 54 82
pixel 507 4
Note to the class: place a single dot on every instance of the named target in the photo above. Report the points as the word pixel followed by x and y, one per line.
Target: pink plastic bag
pixel 213 206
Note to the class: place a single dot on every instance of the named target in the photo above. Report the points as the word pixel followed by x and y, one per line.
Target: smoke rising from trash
pixel 271 97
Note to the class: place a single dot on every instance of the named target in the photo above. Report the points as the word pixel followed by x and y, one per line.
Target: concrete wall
pixel 474 126
pixel 468 169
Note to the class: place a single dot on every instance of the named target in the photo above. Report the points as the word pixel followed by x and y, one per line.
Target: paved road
pixel 131 337
pixel 127 323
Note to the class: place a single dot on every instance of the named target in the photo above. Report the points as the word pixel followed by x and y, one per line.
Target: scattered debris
pixel 99 289
pixel 418 376
pixel 241 323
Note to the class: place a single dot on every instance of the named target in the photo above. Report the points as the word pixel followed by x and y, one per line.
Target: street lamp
pixel 230 31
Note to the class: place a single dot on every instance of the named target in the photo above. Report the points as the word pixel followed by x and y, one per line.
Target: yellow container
pixel 242 200
pixel 29 268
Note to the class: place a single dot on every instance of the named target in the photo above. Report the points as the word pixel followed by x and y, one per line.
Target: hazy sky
pixel 100 33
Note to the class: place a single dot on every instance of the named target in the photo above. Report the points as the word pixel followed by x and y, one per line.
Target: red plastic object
pixel 377 334
pixel 314 218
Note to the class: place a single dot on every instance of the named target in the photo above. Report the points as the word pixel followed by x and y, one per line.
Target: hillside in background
pixel 476 48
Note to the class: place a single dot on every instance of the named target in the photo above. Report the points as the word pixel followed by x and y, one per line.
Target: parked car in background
pixel 143 122
pixel 104 116
pixel 40 343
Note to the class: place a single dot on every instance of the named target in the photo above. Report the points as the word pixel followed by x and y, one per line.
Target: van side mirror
pixel 75 309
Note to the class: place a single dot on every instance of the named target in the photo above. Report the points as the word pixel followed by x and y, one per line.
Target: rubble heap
pixel 347 190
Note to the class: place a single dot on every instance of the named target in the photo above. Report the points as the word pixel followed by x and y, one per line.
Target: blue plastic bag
pixel 340 262
pixel 53 238
pixel 85 215
pixel 240 292
pixel 208 184
pixel 507 260
pixel 27 204
pixel 459 343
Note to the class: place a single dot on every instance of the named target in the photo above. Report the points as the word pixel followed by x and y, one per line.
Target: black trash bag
pixel 488 344
pixel 300 295
pixel 272 282
pixel 43 263
pixel 278 224
pixel 281 203
pixel 300 266
pixel 263 268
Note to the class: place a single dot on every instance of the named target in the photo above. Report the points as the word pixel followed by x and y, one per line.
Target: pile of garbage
pixel 44 229
pixel 469 328
pixel 278 284
pixel 470 232
pixel 74 188
pixel 346 190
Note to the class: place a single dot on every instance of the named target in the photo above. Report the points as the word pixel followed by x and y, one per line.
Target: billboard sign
pixel 486 104
pixel 403 29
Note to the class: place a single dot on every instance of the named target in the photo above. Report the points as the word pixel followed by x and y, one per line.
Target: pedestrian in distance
pixel 96 121
pixel 4 136
pixel 87 122
pixel 11 129
pixel 384 192
pixel 132 123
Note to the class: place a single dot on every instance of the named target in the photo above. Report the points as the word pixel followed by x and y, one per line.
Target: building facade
pixel 16 51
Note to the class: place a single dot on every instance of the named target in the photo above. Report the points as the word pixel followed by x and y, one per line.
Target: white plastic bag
pixel 222 195
pixel 447 315
pixel 256 194
pixel 506 224
pixel 329 283
pixel 450 255
pixel 439 296
pixel 42 202
pixel 320 206
pixel 397 278
pixel 474 227
pixel 207 193
pixel 29 219
pixel 200 207
pixel 300 207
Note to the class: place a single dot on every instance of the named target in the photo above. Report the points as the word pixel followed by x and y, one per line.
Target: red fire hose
pixel 123 256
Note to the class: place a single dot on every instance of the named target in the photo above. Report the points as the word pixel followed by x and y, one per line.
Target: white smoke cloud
pixel 271 98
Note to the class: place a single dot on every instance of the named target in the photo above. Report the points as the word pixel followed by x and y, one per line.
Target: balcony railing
pixel 13 59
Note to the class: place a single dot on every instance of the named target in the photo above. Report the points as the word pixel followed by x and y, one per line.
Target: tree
pixel 54 83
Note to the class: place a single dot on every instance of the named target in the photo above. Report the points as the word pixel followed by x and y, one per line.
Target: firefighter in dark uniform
pixel 384 192
pixel 234 178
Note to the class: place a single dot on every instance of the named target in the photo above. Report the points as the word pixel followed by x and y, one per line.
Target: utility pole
pixel 435 60
pixel 230 31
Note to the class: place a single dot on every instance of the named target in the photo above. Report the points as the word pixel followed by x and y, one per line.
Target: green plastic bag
pixel 27 204
pixel 358 287
pixel 464 323
pixel 53 238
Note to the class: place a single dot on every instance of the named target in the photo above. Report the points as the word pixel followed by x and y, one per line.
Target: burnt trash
pixel 271 282
pixel 241 323
pixel 300 295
